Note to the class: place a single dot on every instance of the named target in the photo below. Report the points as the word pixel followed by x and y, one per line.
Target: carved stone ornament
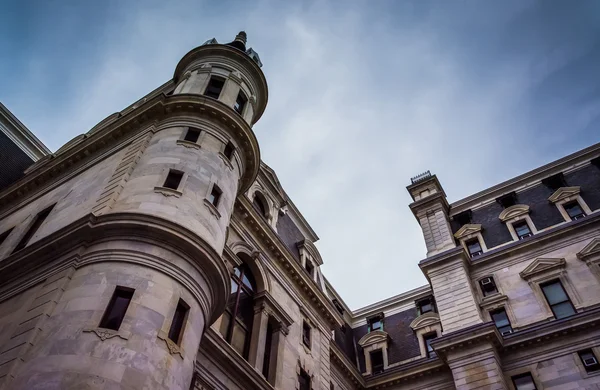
pixel 425 320
pixel 513 211
pixel 590 250
pixel 105 334
pixel 374 337
pixel 173 348
pixel 563 193
pixel 167 191
pixel 467 229
pixel 542 265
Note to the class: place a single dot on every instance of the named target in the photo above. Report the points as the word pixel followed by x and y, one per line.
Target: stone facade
pixel 164 219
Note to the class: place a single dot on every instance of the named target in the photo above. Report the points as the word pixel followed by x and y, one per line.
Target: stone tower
pixel 113 270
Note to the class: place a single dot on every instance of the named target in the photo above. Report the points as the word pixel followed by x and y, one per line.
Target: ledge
pixel 188 144
pixel 211 207
pixel 168 191
pixel 492 300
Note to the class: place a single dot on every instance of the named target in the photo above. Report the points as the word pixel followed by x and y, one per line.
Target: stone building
pixel 157 251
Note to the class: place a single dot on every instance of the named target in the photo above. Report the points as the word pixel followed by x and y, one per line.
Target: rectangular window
pixel 488 286
pixel 522 229
pixel 306 334
pixel 376 361
pixel 474 247
pixel 4 235
pixel 309 268
pixel 524 382
pixel 428 338
pixel 574 210
pixel 240 103
pixel 35 225
pixel 115 312
pixel 178 323
pixel 375 323
pixel 192 135
pixel 502 322
pixel 173 179
pixel 303 380
pixel 215 195
pixel 228 151
pixel 425 306
pixel 558 299
pixel 589 360
pixel 214 88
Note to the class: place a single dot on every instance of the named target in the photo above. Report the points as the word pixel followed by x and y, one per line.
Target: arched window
pixel 260 204
pixel 236 325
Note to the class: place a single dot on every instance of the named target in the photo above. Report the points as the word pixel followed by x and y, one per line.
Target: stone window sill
pixel 104 333
pixel 212 208
pixel 226 161
pixel 168 191
pixel 173 348
pixel 188 144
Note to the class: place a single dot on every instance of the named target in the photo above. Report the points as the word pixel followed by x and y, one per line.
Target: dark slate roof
pixel 290 234
pixel 346 342
pixel 543 213
pixel 12 160
pixel 403 343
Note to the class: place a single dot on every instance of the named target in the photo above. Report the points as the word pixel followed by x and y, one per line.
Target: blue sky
pixel 363 95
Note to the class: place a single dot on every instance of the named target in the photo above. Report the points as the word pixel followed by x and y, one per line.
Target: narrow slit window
pixel 5 235
pixel 192 135
pixel 240 103
pixel 558 299
pixel 215 195
pixel 306 334
pixel 376 361
pixel 228 151
pixel 214 88
pixel 173 179
pixel 117 307
pixel 501 321
pixel 522 229
pixel 178 323
pixel 39 220
pixel 524 382
pixel 574 210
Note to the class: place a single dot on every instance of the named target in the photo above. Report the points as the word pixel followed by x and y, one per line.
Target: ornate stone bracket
pixel 105 334
pixel 168 191
pixel 173 348
pixel 211 207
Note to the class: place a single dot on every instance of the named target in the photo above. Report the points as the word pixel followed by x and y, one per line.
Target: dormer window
pixel 426 305
pixel 376 361
pixel 522 229
pixel 574 210
pixel 309 268
pixel 375 323
pixel 507 200
pixel 488 286
pixel 428 338
pixel 214 88
pixel 240 103
pixel 474 247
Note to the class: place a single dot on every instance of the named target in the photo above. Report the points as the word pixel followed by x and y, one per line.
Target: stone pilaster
pixel 259 338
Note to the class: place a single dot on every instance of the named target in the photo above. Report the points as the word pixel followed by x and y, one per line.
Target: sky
pixel 363 95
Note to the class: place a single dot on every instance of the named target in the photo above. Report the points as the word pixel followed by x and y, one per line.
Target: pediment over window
pixel 374 337
pixel 563 192
pixel 307 248
pixel 591 250
pixel 425 320
pixel 467 229
pixel 513 211
pixel 539 266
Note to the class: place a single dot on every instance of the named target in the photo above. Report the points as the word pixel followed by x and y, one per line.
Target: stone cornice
pixel 437 200
pixel 274 245
pixel 117 132
pixel 347 367
pixel 67 248
pixel 466 338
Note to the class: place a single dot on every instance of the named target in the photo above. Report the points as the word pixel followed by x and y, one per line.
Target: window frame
pixel 517 224
pixel 174 173
pixel 118 292
pixel 470 242
pixel 431 302
pixel 568 299
pixel 208 85
pixel 241 109
pixel 582 213
pixel 306 334
pixel 378 318
pixel 523 375
pixel 596 367
pixel 510 326
pixel 182 325
pixel 493 283
pixel 427 338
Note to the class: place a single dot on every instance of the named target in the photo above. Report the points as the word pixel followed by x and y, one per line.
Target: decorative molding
pixel 564 192
pixel 173 348
pixel 374 337
pixel 188 144
pixel 168 191
pixel 542 265
pixel 425 320
pixel 211 207
pixel 513 211
pixel 592 249
pixel 105 334
pixel 306 247
pixel 467 229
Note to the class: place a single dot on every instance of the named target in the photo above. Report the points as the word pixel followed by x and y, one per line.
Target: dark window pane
pixel 428 339
pixel 524 382
pixel 228 151
pixel 117 307
pixel 192 135
pixel 474 248
pixel 522 229
pixel 376 361
pixel 240 103
pixel 173 179
pixel 268 342
pixel 574 210
pixel 214 87
pixel 178 322
pixel 562 310
pixel 500 318
pixel 215 195
pixel 555 293
pixel 306 334
pixel 39 220
pixel 589 360
pixel 303 380
pixel 488 286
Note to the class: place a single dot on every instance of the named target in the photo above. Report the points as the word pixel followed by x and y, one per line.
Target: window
pixel 178 323
pixel 228 151
pixel 268 343
pixel 502 322
pixel 173 179
pixel 306 334
pixel 558 299
pixel 240 103
pixel 259 205
pixel 192 135
pixel 376 361
pixel 375 323
pixel 522 229
pixel 215 195
pixel 309 268
pixel 589 360
pixel 214 88
pixel 474 247
pixel 554 182
pixel 338 306
pixel 488 286
pixel 425 306
pixel 4 235
pixel 115 312
pixel 35 225
pixel 428 338
pixel 236 324
pixel 303 380
pixel 331 387
pixel 507 200
pixel 574 210
pixel 524 382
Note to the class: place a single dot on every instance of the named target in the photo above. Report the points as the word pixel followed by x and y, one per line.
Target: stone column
pixel 259 337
